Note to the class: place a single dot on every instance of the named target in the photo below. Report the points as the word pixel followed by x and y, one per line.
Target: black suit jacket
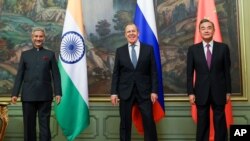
pixel 216 80
pixel 125 76
pixel 37 70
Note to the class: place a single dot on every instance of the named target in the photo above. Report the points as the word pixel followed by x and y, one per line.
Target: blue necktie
pixel 133 56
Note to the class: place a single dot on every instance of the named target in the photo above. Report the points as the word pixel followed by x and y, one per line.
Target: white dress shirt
pixel 211 43
pixel 137 49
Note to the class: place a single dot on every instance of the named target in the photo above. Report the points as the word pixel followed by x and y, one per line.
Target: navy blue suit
pixel 211 87
pixel 135 85
pixel 37 70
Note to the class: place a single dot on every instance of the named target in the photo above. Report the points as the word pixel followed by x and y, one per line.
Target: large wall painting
pixel 104 23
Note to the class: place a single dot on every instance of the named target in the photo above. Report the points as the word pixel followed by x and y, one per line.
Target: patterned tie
pixel 209 56
pixel 133 56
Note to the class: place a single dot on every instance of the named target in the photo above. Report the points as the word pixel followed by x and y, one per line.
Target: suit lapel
pixel 214 54
pixel 140 55
pixel 202 55
pixel 127 56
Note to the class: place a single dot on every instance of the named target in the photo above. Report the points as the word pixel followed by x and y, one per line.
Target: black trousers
pixel 145 107
pixel 203 124
pixel 30 111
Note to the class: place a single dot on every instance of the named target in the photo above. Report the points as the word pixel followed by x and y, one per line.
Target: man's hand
pixel 58 99
pixel 154 97
pixel 13 99
pixel 192 98
pixel 114 100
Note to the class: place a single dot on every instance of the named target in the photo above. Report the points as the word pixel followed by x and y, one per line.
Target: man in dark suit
pixel 37 70
pixel 135 82
pixel 211 62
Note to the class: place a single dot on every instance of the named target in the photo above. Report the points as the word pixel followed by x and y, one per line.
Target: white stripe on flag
pixel 146 9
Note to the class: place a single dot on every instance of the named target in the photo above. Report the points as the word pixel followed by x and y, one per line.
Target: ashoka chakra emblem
pixel 72 47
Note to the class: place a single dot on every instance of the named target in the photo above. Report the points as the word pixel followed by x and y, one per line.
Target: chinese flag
pixel 207 10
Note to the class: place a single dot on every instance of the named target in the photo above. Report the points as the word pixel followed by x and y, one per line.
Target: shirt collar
pixel 137 43
pixel 211 43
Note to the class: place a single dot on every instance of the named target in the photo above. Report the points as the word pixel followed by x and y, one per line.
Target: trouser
pixel 145 107
pixel 203 124
pixel 30 111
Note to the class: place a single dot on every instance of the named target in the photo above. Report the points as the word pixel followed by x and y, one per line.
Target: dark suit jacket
pixel 37 70
pixel 216 80
pixel 125 76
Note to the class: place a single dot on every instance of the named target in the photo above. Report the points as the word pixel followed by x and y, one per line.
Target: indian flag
pixel 73 111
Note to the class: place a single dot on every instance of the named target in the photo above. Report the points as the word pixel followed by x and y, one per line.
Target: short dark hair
pixel 204 21
pixel 131 23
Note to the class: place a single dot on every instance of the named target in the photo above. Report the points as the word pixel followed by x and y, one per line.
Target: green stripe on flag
pixel 72 113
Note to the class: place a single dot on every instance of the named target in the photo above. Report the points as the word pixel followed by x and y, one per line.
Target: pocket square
pixel 46 58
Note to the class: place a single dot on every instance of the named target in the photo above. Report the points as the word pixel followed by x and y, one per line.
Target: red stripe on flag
pixel 158 114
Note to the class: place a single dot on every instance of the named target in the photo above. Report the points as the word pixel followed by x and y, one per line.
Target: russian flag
pixel 144 19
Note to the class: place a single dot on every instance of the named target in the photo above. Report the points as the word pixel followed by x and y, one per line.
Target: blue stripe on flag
pixel 147 36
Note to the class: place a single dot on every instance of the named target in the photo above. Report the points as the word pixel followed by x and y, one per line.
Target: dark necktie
pixel 209 56
pixel 133 56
